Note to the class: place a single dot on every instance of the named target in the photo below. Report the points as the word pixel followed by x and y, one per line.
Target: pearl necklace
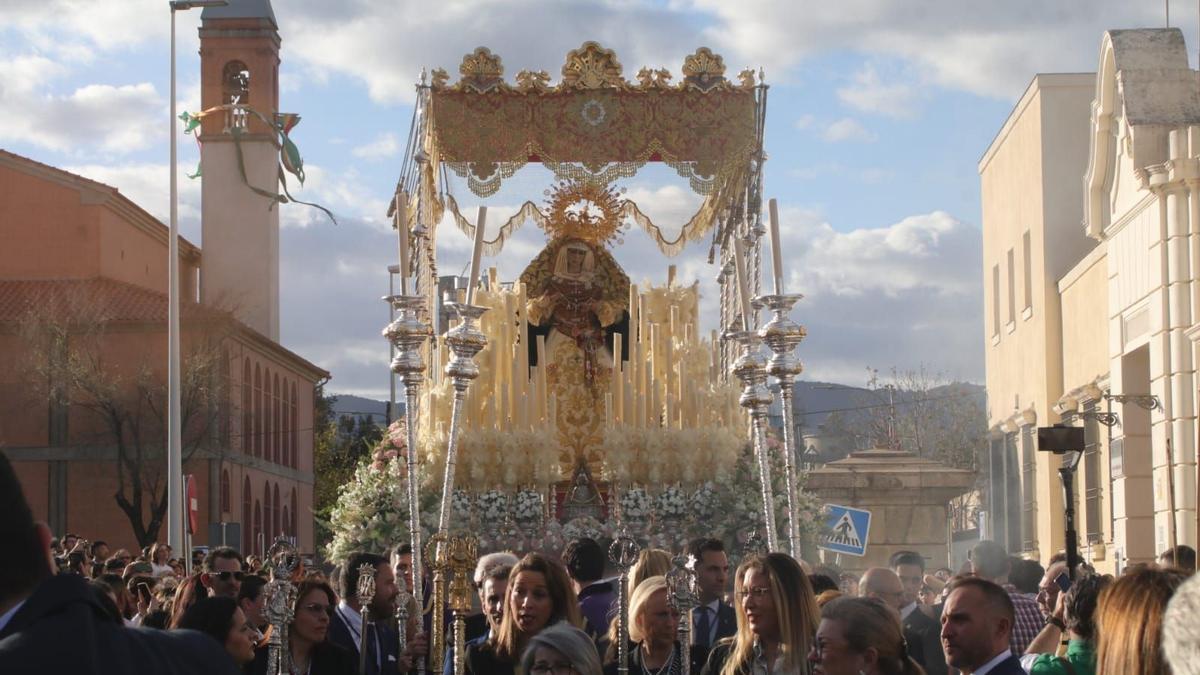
pixel 668 667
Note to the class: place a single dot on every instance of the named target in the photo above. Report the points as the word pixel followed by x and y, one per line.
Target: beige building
pixel 1091 219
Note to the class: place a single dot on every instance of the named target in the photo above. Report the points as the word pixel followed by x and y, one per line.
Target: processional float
pixel 590 129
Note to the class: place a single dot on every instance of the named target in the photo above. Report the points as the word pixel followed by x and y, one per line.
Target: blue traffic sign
pixel 847 530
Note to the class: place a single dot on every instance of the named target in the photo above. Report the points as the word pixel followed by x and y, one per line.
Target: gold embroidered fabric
pixel 594 126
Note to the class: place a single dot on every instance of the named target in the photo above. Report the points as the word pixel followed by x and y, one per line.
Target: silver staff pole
pixel 681 592
pixel 365 594
pixel 623 553
pixel 280 604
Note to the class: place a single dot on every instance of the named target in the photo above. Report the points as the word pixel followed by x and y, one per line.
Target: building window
pixel 235 83
pixel 258 544
pixel 225 491
pixel 1012 287
pixel 226 398
pixel 1093 490
pixel 1028 491
pixel 276 435
pixel 295 434
pixel 287 426
pixel 996 301
pixel 276 525
pixel 246 532
pixel 258 412
pixel 247 408
pixel 267 419
pixel 293 526
pixel 1027 263
pixel 267 512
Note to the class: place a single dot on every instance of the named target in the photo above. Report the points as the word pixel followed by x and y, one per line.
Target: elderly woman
pixel 860 636
pixel 539 595
pixel 653 625
pixel 776 616
pixel 561 649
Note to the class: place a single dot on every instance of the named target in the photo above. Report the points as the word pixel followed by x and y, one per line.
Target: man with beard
pixel 346 629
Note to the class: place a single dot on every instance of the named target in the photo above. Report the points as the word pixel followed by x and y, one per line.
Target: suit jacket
pixel 477 626
pixel 481 660
pixel 1009 666
pixel 382 635
pixel 924 637
pixel 726 627
pixel 596 603
pixel 327 659
pixel 63 628
pixel 448 659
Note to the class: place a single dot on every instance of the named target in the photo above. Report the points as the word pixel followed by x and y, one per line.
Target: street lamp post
pixel 175 494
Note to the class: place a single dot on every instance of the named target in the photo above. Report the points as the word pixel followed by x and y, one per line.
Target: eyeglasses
pixel 318 608
pixel 552 669
pixel 226 576
pixel 759 593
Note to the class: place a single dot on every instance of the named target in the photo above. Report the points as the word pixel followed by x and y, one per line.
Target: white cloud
pixel 805 122
pixel 383 146
pixel 868 92
pixel 847 129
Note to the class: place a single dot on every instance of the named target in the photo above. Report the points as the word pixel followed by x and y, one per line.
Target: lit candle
pixel 776 249
pixel 476 254
pixel 739 266
pixel 401 216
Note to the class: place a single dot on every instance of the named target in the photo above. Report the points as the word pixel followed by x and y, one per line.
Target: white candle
pixel 476 254
pixel 739 266
pixel 776 249
pixel 401 216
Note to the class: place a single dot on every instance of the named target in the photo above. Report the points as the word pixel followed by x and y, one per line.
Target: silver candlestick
pixel 280 603
pixel 623 553
pixel 465 341
pixel 681 593
pixel 751 369
pixel 782 336
pixel 408 334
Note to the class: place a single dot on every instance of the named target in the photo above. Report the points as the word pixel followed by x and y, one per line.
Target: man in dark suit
pixel 584 560
pixel 57 624
pixel 714 619
pixel 977 625
pixel 346 628
pixel 920 631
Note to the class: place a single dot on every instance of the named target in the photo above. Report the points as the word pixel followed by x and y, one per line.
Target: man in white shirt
pixel 977 624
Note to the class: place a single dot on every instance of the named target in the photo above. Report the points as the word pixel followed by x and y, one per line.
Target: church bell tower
pixel 239 63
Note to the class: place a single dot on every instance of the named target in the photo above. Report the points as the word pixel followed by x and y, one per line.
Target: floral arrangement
pixel 636 506
pixel 671 505
pixel 492 506
pixel 527 507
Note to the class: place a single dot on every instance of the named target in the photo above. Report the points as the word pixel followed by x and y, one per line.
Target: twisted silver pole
pixel 623 554
pixel 408 333
pixel 280 604
pixel 782 336
pixel 365 592
pixel 465 341
pixel 681 593
pixel 751 370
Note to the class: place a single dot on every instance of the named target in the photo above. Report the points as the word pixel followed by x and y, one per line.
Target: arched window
pixel 276 523
pixel 287 523
pixel 276 435
pixel 247 410
pixel 266 417
pixel 235 83
pixel 267 511
pixel 225 422
pixel 295 435
pixel 286 406
pixel 246 531
pixel 258 531
pixel 258 411
pixel 294 507
pixel 225 506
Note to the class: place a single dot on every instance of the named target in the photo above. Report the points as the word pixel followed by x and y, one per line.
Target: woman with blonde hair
pixel 1129 621
pixel 860 636
pixel 539 595
pixel 776 619
pixel 651 562
pixel 653 626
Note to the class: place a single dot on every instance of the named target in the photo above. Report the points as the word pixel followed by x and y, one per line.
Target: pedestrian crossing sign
pixel 847 530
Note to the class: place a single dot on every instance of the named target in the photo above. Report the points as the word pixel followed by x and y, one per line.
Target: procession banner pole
pixel 365 594
pixel 623 554
pixel 279 604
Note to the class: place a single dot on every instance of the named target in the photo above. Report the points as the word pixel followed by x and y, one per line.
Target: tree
pixel 341 444
pixel 70 363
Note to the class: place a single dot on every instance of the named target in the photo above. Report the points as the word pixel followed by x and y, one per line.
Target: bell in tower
pixel 239 69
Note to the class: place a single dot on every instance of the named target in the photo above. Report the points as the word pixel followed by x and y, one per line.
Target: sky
pixel 878 113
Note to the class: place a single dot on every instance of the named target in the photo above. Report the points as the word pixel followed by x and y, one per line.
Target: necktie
pixel 703 627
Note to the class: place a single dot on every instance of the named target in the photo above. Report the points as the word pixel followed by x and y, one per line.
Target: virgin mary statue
pixel 578 299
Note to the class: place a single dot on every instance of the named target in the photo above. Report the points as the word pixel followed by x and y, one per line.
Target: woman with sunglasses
pixel 776 619
pixel 861 636
pixel 222 620
pixel 312 653
pixel 561 649
pixel 539 595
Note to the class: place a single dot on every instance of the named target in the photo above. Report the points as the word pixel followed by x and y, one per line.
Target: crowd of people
pixel 70 605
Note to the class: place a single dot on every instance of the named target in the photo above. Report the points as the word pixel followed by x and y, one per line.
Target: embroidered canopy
pixel 594 126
